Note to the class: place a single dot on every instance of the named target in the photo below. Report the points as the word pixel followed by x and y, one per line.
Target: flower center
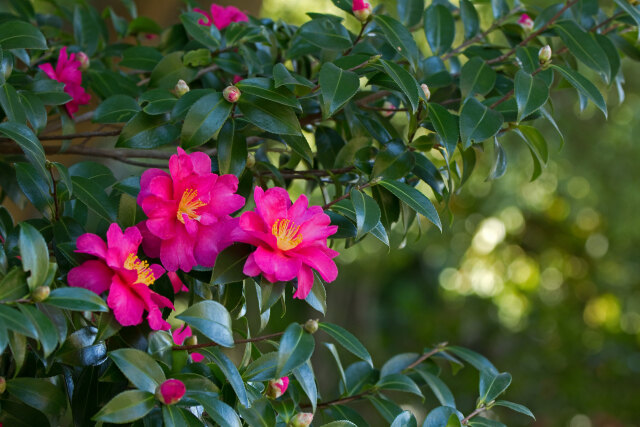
pixel 287 233
pixel 145 274
pixel 189 204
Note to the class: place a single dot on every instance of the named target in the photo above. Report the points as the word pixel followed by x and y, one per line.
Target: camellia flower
pixel 526 22
pixel 171 391
pixel 277 388
pixel 119 271
pixel 221 16
pixel 291 239
pixel 361 10
pixel 188 211
pixel 67 71
pixel 180 335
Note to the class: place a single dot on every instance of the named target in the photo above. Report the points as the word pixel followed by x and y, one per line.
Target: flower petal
pixel 93 275
pixel 319 260
pixel 277 264
pixel 126 305
pixel 91 244
pixel 305 283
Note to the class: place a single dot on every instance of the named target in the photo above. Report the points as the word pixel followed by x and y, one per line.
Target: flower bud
pixel 362 10
pixel 40 293
pixel 277 388
pixel 427 92
pixel 231 94
pixel 192 340
pixel 251 160
pixel 388 109
pixel 84 60
pixel 3 385
pixel 544 54
pixel 311 326
pixel 526 22
pixel 181 88
pixel 302 419
pixel 170 391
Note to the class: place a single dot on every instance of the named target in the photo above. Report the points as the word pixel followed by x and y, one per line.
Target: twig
pixel 213 344
pixel 346 196
pixel 340 401
pixel 355 42
pixel 479 410
pixel 438 349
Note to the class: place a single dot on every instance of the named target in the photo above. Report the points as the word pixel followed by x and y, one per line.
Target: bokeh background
pixel 542 277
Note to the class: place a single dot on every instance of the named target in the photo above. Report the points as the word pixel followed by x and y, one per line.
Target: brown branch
pixel 479 410
pixel 440 347
pixel 340 401
pixel 346 196
pixel 213 344
pixel 534 34
pixel 357 40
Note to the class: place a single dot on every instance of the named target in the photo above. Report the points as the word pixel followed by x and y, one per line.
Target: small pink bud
pixel 84 60
pixel 362 10
pixel 181 88
pixel 170 391
pixel 544 55
pixel 302 419
pixel 526 22
pixel 231 94
pixel 277 388
pixel 427 92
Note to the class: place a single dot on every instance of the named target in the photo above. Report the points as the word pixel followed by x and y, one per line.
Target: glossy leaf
pixel 584 86
pixel 367 211
pixel 219 411
pixel 515 407
pixel 265 88
pixel 94 197
pixel 205 117
pixel 76 299
pixel 21 35
pixel 29 143
pixel 405 419
pixel 230 372
pixel 446 125
pixel 296 347
pixel 143 372
pixel 410 11
pixel 477 77
pixel 414 199
pixel 147 131
pixel 39 394
pixel 531 93
pixel 212 319
pixel 398 37
pixel 478 122
pixel 405 81
pixel 584 46
pixel 338 86
pixel 270 116
pixel 35 255
pixel 347 340
pixel 492 385
pixel 439 27
pixel 126 407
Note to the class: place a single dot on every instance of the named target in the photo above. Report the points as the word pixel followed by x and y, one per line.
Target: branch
pixel 346 196
pixel 213 344
pixel 440 347
pixel 473 414
pixel 340 401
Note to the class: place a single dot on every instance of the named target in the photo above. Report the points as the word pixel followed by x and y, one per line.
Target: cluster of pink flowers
pixel 221 16
pixel 69 71
pixel 189 222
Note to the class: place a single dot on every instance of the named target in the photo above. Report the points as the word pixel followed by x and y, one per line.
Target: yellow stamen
pixel 189 204
pixel 145 274
pixel 287 233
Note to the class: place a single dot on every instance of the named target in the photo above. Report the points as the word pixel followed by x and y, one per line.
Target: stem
pixel 54 194
pixel 355 42
pixel 345 196
pixel 340 401
pixel 473 414
pixel 438 349
pixel 213 344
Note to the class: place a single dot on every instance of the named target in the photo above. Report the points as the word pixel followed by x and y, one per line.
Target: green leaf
pixel 326 33
pixel 340 423
pixel 263 368
pixel 307 380
pixel 169 70
pixel 142 58
pixel 220 412
pixel 438 387
pixel 515 407
pixel 35 110
pixel 337 86
pixel 126 407
pixel 367 211
pixel 334 352
pixel 232 150
pixel 476 78
pixel 39 394
pixel 476 360
pixel 446 125
pixel 140 368
pixel 296 347
pixel 405 81
pixel 399 38
pixel 15 321
pixel 10 103
pixel 13 286
pixel 212 319
pixel 478 122
pixel 347 340
pixel 531 93
pixel 443 416
pixel 230 372
pixel 21 35
pixel 35 255
pixel 583 85
pixel 147 131
pixel 398 382
pixel 470 19
pixel 47 334
pixel 29 143
pixel 300 145
pixel 485 422
pixel 394 161
pixel 405 419
pixel 410 11
pixel 584 47
pixel 208 36
pixel 94 197
pixel 205 117
pixel 86 28
pixel 493 385
pixel 116 109
pixel 499 166
pixel 230 263
pixel 34 187
pixel 50 91
pixel 265 88
pixel 631 10
pixel 535 140
pixel 270 116
pixel 388 409
pixel 76 299
pixel 440 28
pixel 414 199
pixel 260 415
pixel 173 416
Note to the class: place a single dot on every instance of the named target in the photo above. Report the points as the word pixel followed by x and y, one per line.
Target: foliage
pixel 378 131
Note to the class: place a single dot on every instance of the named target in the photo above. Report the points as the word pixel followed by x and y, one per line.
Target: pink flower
pixel 119 271
pixel 221 16
pixel 171 391
pixel 180 335
pixel 176 282
pixel 67 71
pixel 526 22
pixel 360 5
pixel 362 10
pixel 188 210
pixel 290 240
pixel 237 79
pixel 277 388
